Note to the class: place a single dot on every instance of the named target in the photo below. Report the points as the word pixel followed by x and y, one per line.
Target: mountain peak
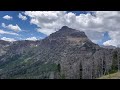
pixel 65 27
pixel 66 31
pixel 67 35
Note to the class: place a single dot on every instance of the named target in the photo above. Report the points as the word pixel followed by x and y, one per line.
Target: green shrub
pixel 62 76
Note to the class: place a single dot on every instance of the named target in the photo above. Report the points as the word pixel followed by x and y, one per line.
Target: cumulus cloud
pixel 94 25
pixel 7 17
pixel 94 35
pixel 115 36
pixel 32 38
pixel 5 32
pixel 8 39
pixel 11 27
pixel 22 17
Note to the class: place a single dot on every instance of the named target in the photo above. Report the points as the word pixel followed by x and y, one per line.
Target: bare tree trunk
pixel 104 65
pixel 118 62
pixel 81 71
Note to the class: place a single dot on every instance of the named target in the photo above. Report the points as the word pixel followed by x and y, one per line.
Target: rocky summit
pixel 65 54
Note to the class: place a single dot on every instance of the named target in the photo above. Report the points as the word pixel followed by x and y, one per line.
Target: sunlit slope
pixel 111 76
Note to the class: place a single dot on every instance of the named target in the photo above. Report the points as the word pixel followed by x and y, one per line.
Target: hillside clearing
pixel 111 76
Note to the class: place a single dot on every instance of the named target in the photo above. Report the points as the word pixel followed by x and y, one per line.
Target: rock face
pixel 108 47
pixel 65 54
pixel 3 47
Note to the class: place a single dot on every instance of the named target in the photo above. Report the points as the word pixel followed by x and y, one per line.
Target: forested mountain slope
pixel 65 54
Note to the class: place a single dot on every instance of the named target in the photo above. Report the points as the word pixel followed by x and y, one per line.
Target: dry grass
pixel 111 76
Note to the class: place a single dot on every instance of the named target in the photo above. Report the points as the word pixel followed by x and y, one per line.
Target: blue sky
pixel 27 31
pixel 105 38
pixel 30 30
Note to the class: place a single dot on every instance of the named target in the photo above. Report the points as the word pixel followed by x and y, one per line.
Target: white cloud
pixel 94 35
pixel 7 17
pixel 22 17
pixel 5 32
pixel 11 27
pixel 94 25
pixel 32 38
pixel 112 42
pixel 45 31
pixel 3 25
pixel 8 39
pixel 115 36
